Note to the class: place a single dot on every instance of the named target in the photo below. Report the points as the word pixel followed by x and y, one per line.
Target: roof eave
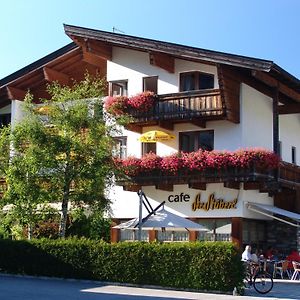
pixel 180 51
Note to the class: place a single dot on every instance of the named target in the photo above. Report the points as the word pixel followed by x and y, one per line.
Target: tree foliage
pixel 61 153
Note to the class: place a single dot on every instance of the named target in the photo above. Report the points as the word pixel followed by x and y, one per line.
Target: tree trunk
pixel 29 231
pixel 64 213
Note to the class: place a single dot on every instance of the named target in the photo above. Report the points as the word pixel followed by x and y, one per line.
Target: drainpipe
pixel 276 127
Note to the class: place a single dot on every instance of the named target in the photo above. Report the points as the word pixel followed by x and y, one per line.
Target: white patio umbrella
pixel 162 220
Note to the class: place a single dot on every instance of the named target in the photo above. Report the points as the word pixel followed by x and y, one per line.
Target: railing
pixel 289 174
pixel 183 105
pixel 209 176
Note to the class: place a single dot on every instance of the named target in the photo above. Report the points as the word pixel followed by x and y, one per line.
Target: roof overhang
pixel 176 50
pixel 275 213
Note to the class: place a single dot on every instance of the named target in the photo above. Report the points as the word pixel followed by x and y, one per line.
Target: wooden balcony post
pixel 114 235
pixel 237 232
pixel 152 235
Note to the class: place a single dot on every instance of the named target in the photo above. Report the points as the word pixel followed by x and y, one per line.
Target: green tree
pixel 62 153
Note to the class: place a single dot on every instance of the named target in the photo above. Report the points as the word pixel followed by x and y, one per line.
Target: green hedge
pixel 212 266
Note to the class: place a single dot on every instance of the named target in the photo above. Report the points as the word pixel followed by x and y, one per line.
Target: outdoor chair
pixel 296 266
pixel 281 267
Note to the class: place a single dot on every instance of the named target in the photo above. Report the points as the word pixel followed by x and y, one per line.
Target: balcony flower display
pixel 199 161
pixel 142 102
pixel 120 105
pixel 116 105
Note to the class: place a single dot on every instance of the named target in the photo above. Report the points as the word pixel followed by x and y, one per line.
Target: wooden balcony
pixel 192 106
pixel 289 175
pixel 265 181
pixel 252 178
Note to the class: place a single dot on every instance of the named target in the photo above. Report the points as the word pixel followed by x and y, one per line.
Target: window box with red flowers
pixel 121 105
pixel 200 162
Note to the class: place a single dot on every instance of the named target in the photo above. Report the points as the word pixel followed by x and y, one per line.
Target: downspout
pixel 276 127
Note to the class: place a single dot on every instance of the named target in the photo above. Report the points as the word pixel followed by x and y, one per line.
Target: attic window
pixel 190 81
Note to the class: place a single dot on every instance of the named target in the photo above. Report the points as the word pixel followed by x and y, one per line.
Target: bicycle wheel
pixel 263 282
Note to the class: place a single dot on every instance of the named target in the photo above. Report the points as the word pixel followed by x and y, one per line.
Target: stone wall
pixel 282 236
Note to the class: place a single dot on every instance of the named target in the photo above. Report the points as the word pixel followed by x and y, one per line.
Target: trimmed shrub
pixel 213 266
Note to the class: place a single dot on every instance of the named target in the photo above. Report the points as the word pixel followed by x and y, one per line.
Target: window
pixel 5 120
pixel 190 81
pixel 219 230
pixel 293 155
pixel 194 140
pixel 148 147
pixel 120 147
pixel 118 88
pixel 150 84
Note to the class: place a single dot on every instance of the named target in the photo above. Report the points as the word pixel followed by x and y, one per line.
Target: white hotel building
pixel 205 99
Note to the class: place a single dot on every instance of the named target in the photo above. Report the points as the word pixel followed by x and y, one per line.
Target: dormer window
pixel 190 81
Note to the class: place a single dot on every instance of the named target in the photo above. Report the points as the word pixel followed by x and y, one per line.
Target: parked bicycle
pixel 258 277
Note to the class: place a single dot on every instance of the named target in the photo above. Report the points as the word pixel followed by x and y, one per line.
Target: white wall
pixel 134 65
pixel 255 130
pixel 127 205
pixel 256 118
pixel 17 113
pixel 289 135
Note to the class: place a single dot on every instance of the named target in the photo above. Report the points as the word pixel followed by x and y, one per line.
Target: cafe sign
pixel 213 203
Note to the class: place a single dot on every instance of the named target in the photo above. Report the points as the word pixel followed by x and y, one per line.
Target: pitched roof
pixel 37 64
pixel 183 52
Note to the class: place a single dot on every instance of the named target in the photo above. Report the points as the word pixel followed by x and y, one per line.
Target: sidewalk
pixel 282 289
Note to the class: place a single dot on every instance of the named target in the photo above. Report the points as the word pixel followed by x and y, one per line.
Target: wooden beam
pixel 101 49
pixel 199 122
pixel 53 75
pixel 93 59
pixel 163 61
pixel 132 187
pixel 267 79
pixel 134 128
pixel 251 185
pixel 289 109
pixel 237 232
pixel 197 186
pixel 165 187
pixel 166 125
pixel 14 93
pixel 229 83
pixel 232 185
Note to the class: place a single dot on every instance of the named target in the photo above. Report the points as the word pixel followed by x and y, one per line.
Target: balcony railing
pixel 250 174
pixel 184 105
pixel 289 174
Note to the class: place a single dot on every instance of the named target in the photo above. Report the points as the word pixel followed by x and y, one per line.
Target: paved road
pixel 31 288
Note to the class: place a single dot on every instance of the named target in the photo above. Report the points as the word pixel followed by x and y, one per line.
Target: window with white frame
pixel 118 88
pixel 190 141
pixel 120 147
pixel 190 81
pixel 150 84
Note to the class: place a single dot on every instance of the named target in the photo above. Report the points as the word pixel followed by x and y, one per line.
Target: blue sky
pixel 269 29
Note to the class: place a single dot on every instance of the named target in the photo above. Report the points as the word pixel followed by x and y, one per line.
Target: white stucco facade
pixel 182 198
pixel 254 130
